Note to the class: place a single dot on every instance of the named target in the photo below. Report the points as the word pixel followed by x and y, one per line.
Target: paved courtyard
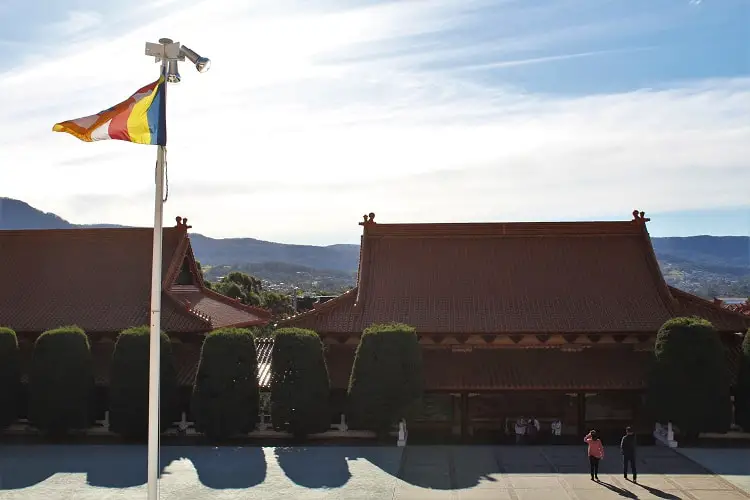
pixel 419 473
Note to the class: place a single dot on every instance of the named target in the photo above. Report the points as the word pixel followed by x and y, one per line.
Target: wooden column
pixel 464 416
pixel 581 400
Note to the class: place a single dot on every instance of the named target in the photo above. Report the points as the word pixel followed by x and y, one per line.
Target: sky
pixel 316 112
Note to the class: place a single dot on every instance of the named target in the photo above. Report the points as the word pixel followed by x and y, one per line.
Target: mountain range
pixel 706 265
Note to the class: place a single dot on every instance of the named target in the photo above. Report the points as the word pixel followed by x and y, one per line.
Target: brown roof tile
pixel 562 277
pixel 100 280
pixel 220 309
pixel 723 319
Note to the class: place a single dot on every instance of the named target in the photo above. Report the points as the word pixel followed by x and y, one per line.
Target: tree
pixel 200 271
pixel 742 391
pixel 61 381
pixel 247 289
pixel 300 389
pixel 225 395
pixel 10 377
pixel 689 382
pixel 263 332
pixel 128 386
pixel 279 304
pixel 387 376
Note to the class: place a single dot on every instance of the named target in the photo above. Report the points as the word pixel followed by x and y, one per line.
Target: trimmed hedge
pixel 300 389
pixel 225 395
pixel 387 376
pixel 128 386
pixel 689 382
pixel 61 381
pixel 742 392
pixel 10 377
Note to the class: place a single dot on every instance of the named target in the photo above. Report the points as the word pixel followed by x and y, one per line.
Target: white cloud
pixel 76 22
pixel 296 131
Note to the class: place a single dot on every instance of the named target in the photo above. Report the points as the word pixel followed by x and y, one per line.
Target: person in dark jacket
pixel 627 447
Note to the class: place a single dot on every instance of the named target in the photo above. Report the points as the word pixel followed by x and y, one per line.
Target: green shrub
pixel 128 384
pixel 742 392
pixel 689 382
pixel 386 378
pixel 225 395
pixel 10 377
pixel 300 389
pixel 61 381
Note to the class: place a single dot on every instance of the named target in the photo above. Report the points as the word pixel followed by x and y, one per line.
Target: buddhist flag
pixel 141 119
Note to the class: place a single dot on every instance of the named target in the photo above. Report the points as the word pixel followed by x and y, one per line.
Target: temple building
pixel 100 280
pixel 552 320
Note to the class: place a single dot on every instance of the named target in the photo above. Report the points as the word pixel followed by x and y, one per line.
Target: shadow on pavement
pixel 123 466
pixel 314 467
pixel 26 465
pixel 223 467
pixel 460 467
pixel 620 491
pixel 724 461
pixel 658 493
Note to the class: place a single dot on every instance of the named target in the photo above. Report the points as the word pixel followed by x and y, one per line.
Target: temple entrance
pixel 611 412
pixel 492 417
pixel 434 419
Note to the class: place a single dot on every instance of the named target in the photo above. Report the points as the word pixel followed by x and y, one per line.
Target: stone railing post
pixel 403 433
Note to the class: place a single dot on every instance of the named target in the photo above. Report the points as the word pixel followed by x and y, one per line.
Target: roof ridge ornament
pixel 368 219
pixel 182 223
pixel 640 217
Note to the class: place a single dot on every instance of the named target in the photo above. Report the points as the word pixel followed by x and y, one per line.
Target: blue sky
pixel 421 111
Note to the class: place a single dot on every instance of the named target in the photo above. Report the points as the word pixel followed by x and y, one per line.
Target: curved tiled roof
pixel 100 280
pixel 723 319
pixel 558 277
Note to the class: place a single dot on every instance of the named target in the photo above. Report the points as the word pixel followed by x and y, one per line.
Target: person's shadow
pixel 620 491
pixel 629 494
pixel 658 493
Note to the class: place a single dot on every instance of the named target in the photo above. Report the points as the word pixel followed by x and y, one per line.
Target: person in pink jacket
pixel 596 453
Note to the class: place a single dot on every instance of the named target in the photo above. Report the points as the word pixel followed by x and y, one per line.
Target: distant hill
pixel 233 252
pixel 15 214
pixel 251 251
pixel 706 265
pixel 717 254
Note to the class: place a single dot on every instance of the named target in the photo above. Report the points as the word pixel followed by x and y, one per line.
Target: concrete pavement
pixel 330 472
pixel 732 464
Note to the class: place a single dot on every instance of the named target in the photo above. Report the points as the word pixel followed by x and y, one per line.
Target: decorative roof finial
pixel 368 219
pixel 640 217
pixel 182 223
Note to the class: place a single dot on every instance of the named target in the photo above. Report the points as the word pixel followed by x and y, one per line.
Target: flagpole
pixel 155 332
